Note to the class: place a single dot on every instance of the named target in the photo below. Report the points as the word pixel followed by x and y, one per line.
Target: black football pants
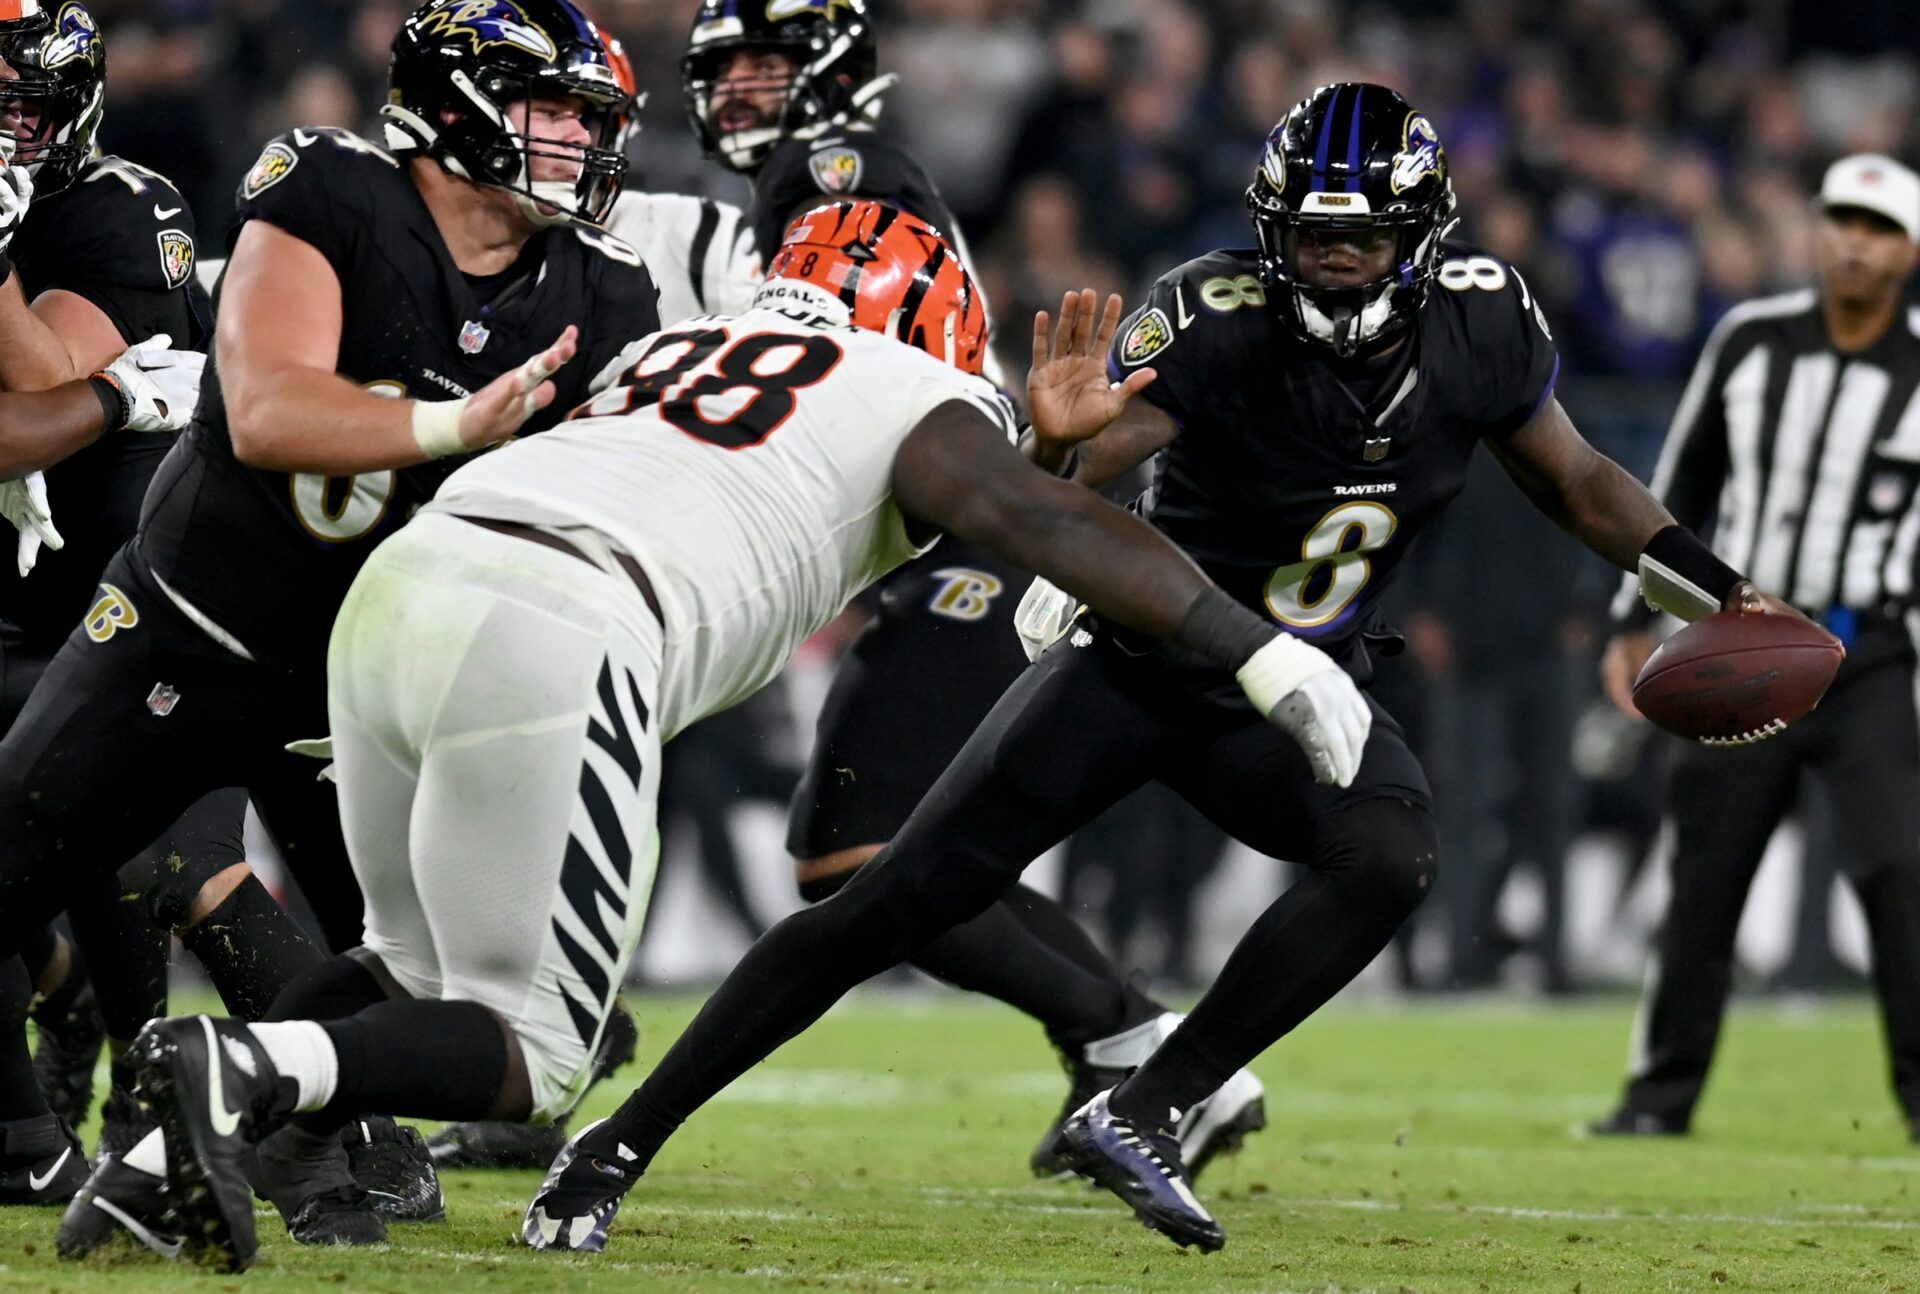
pixel 138 716
pixel 1864 744
pixel 1079 730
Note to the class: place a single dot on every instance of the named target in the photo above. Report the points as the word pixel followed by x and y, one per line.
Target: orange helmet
pixel 626 121
pixel 896 274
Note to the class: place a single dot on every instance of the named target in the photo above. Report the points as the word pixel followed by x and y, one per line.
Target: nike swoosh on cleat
pixel 169 1248
pixel 224 1120
pixel 164 213
pixel 38 1182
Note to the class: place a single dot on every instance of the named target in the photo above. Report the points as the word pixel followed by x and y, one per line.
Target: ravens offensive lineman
pixel 384 310
pixel 97 255
pixel 1315 403
pixel 788 94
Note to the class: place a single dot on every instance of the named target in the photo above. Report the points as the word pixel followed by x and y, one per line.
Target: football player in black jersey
pixel 788 94
pixel 1315 402
pixel 95 255
pixel 384 310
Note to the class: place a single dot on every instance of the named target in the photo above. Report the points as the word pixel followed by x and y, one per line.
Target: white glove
pixel 160 387
pixel 16 194
pixel 24 503
pixel 1044 616
pixel 1300 690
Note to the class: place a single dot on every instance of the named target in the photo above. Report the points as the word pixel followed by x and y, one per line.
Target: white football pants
pixel 494 714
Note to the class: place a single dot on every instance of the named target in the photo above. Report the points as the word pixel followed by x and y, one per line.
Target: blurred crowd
pixel 1646 163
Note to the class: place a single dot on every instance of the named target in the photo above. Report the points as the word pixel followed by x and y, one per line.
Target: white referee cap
pixel 1877 184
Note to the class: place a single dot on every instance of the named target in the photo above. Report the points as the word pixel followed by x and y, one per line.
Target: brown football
pixel 1729 678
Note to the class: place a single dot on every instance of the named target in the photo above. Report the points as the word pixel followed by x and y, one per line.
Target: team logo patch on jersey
pixel 837 169
pixel 176 256
pixel 74 34
pixel 487 23
pixel 1419 154
pixel 274 165
pixel 1150 334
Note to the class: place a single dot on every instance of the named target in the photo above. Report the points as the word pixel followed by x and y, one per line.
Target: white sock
pixel 301 1051
pixel 149 1154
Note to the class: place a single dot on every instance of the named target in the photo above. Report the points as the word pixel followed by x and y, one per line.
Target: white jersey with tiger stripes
pixel 700 252
pixel 747 463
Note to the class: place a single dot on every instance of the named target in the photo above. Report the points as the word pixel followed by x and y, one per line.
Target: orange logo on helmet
pixel 896 274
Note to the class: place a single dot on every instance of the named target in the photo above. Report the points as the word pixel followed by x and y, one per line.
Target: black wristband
pixel 1681 553
pixel 113 405
pixel 1221 629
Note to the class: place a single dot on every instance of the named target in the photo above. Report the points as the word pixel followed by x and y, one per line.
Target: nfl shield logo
pixel 473 336
pixel 162 699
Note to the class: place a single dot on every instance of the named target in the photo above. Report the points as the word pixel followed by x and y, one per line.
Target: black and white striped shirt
pixel 1802 459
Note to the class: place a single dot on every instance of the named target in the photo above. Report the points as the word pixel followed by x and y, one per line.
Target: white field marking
pixel 865 1089
pixel 1010 1197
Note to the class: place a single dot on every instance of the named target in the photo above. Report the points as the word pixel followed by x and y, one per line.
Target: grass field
pixel 1419 1148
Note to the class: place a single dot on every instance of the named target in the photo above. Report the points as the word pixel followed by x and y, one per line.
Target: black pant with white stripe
pixel 1864 744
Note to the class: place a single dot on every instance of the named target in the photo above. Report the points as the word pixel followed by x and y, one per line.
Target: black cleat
pixel 390 1162
pixel 124 1122
pixel 578 1201
pixel 1140 1164
pixel 41 1161
pixel 119 1200
pixel 1221 1124
pixel 490 1143
pixel 306 1176
pixel 339 1215
pixel 1624 1122
pixel 1084 1083
pixel 216 1094
pixel 1093 1068
pixel 66 1054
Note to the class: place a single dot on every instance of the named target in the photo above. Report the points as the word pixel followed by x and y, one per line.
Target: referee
pixel 1800 433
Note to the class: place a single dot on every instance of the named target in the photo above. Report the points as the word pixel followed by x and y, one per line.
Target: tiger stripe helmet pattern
pixel 896 274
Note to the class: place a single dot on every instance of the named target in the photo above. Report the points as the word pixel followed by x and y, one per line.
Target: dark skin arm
pixel 1600 503
pixel 40 428
pixel 1073 403
pixel 957 472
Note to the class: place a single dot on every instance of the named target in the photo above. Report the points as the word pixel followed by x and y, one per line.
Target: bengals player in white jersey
pixel 506 669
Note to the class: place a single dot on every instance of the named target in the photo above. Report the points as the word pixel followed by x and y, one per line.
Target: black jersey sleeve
pixel 121 237
pixel 841 164
pixel 1515 361
pixel 314 184
pixel 1183 330
pixel 621 304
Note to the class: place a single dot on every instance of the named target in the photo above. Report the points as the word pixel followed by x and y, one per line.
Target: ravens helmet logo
pixel 488 23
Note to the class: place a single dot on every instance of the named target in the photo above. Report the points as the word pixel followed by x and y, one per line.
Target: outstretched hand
pixel 501 407
pixel 1068 394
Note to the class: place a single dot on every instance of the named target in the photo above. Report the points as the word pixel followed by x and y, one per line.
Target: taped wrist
pixel 113 401
pixel 1221 629
pixel 1680 574
pixel 436 426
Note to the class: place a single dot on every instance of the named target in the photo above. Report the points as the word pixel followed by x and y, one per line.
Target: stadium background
pixel 1646 165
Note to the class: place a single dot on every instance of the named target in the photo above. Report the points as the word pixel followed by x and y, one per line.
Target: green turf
pixel 1421 1148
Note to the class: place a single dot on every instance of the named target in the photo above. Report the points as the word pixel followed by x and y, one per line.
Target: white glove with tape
pixel 16 195
pixel 159 387
pixel 24 503
pixel 1043 617
pixel 1300 690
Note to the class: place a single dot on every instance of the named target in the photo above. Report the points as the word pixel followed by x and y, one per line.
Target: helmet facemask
pixel 832 80
pixel 59 67
pixel 1356 317
pixel 464 82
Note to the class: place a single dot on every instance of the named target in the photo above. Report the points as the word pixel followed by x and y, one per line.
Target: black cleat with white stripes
pixel 1141 1164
